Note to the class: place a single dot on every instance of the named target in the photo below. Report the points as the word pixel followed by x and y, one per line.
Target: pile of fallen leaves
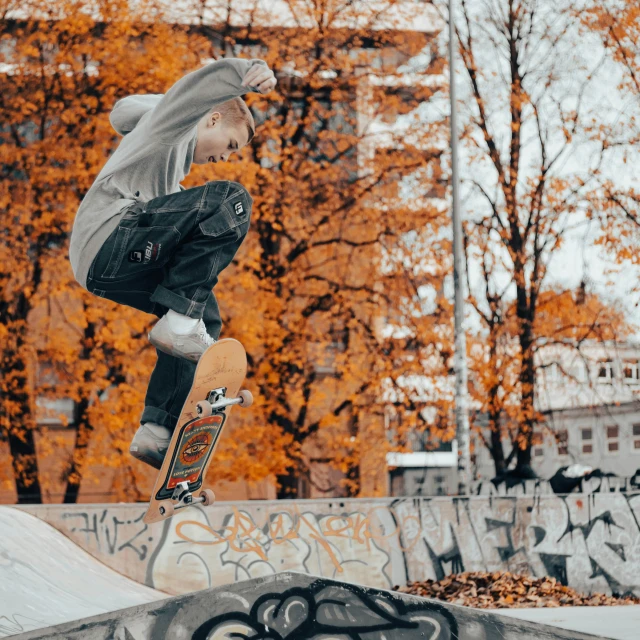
pixel 500 590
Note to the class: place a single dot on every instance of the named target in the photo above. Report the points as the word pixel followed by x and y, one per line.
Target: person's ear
pixel 214 118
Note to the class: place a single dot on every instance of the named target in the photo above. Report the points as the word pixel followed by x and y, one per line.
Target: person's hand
pixel 260 78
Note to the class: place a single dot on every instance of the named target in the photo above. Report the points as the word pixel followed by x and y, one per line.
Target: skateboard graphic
pixel 215 389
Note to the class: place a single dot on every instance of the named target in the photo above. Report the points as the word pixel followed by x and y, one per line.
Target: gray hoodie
pixel 155 154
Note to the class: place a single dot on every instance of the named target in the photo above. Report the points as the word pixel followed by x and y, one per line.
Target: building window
pixel 562 440
pixel 636 437
pixel 613 439
pixel 605 371
pixel 632 372
pixel 587 440
pixel 537 444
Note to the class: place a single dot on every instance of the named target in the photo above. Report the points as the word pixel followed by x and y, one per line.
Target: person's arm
pixel 193 96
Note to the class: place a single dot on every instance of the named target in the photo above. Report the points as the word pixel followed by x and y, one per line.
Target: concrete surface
pixel 294 606
pixel 46 579
pixel 589 542
pixel 620 623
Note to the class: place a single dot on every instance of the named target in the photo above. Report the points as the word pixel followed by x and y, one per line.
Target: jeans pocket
pixel 233 215
pixel 216 224
pixel 135 250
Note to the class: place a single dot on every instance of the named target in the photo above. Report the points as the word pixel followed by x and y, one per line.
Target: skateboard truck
pixel 182 497
pixel 217 401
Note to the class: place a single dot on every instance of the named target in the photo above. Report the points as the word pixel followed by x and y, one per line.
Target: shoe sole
pixel 146 450
pixel 152 462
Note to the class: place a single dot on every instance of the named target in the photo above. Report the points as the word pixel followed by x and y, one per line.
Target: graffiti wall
pixel 295 607
pixel 591 483
pixel 591 542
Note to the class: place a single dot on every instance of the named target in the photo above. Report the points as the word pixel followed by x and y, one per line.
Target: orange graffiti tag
pixel 238 535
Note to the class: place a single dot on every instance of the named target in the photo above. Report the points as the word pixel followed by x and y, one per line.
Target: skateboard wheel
pixel 208 497
pixel 166 509
pixel 203 408
pixel 247 397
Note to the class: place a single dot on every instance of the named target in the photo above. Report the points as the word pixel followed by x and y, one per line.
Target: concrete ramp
pixel 293 606
pixel 46 579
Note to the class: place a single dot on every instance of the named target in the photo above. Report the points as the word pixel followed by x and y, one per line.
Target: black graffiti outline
pixel 105 529
pixel 310 627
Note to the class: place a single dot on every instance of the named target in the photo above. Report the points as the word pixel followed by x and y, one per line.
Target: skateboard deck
pixel 215 389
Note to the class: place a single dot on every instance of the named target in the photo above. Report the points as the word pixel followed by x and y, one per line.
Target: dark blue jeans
pixel 166 254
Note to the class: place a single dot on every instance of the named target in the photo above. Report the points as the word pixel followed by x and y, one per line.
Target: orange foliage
pixel 304 295
pixel 616 207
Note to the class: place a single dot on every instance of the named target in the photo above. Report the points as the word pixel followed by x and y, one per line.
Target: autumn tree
pixel 63 68
pixel 531 179
pixel 567 321
pixel 328 258
pixel 617 204
pixel 326 261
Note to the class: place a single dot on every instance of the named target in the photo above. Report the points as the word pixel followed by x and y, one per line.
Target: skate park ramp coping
pixel 46 579
pixel 296 606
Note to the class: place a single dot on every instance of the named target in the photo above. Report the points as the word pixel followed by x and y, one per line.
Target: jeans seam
pixel 241 194
pixel 121 253
pixel 202 200
pixel 176 389
pixel 214 266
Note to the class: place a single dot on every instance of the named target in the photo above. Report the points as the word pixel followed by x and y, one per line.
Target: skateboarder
pixel 140 239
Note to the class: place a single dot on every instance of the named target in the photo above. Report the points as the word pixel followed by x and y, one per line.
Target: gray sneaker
pixel 182 345
pixel 150 443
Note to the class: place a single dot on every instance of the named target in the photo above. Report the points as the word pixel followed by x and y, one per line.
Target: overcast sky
pixel 579 258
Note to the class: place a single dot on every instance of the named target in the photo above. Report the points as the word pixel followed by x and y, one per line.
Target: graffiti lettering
pixel 590 542
pixel 105 530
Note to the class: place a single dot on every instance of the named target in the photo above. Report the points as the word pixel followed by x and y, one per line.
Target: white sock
pixel 181 324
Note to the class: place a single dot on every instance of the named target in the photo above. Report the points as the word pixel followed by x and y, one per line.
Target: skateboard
pixel 215 389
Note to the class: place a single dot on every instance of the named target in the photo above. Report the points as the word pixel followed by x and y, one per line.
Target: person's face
pixel 218 140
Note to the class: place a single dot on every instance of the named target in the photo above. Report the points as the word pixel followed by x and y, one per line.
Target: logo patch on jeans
pixel 149 254
pixel 239 208
pixel 152 251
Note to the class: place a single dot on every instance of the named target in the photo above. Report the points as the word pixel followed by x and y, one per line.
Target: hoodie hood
pixel 127 112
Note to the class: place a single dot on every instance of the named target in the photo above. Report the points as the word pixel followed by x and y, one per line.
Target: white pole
pixel 460 353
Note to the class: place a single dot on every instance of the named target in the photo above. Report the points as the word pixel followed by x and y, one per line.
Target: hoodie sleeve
pixel 127 112
pixel 193 96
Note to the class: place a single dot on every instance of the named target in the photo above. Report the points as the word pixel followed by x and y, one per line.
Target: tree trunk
pixel 288 485
pixel 496 449
pixel 76 468
pixel 25 466
pixel 83 429
pixel 21 425
pixel 527 384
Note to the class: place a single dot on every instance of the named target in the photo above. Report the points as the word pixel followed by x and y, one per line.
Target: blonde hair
pixel 236 112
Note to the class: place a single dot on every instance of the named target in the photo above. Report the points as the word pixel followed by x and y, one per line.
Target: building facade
pixel 590 403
